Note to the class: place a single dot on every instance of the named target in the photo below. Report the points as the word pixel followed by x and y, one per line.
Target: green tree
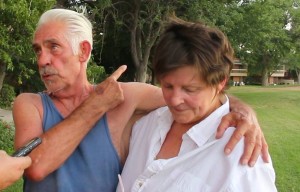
pixel 132 27
pixel 144 19
pixel 261 35
pixel 293 58
pixel 18 20
pixel 125 32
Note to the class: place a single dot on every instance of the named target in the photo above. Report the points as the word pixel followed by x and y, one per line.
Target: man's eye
pixel 37 51
pixel 54 46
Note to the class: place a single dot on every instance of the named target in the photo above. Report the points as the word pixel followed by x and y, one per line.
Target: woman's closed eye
pixel 167 86
pixel 191 89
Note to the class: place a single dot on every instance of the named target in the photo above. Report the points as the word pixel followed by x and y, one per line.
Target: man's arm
pixel 244 119
pixel 139 99
pixel 62 139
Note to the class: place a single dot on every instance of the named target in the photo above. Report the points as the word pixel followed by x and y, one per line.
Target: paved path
pixel 6 115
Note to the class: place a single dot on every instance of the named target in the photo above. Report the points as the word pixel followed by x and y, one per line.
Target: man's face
pixel 58 66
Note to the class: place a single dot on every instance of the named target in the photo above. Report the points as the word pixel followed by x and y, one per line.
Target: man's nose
pixel 43 59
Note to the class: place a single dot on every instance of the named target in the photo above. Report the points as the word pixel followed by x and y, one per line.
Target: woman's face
pixel 188 97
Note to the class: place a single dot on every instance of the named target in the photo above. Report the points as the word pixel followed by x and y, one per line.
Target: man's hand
pixel 244 119
pixel 247 126
pixel 11 168
pixel 110 90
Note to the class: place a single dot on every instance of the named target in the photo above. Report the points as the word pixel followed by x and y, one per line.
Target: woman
pixel 174 148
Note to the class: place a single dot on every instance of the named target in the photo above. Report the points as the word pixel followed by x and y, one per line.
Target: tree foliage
pixel 255 28
pixel 293 58
pixel 135 25
pixel 125 32
pixel 261 36
pixel 18 20
pixel 7 133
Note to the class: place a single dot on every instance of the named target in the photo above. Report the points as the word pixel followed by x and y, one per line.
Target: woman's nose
pixel 176 98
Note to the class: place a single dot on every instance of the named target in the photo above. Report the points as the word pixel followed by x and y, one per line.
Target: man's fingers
pixel 252 149
pixel 227 121
pixel 118 72
pixel 254 156
pixel 265 149
pixel 236 137
pixel 255 143
pixel 111 80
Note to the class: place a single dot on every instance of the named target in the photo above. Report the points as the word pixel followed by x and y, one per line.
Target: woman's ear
pixel 85 51
pixel 222 85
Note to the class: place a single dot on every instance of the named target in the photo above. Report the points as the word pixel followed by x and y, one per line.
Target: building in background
pixel 281 76
pixel 239 75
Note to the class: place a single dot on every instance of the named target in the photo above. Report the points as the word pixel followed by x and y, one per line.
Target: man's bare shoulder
pixel 25 99
pixel 28 97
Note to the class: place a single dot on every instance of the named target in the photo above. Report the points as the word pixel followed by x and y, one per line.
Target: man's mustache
pixel 47 71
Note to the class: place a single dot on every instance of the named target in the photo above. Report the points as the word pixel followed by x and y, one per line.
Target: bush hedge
pixel 7 96
pixel 7 137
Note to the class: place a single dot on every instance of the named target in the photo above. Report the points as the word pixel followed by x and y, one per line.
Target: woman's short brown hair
pixel 194 44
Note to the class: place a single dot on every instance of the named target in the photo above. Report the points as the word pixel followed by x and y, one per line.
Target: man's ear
pixel 85 51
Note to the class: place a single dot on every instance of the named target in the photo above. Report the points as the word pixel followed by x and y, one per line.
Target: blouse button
pixel 140 183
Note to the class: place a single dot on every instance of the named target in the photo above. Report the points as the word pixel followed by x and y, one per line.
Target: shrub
pixel 95 73
pixel 7 132
pixel 7 96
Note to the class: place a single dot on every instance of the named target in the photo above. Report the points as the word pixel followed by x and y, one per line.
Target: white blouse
pixel 201 164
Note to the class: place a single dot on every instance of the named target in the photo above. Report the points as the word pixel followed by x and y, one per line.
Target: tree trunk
pixel 143 36
pixel 265 78
pixel 297 71
pixel 141 73
pixel 2 74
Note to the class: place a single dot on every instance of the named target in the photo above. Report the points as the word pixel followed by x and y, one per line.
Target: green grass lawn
pixel 16 187
pixel 278 111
